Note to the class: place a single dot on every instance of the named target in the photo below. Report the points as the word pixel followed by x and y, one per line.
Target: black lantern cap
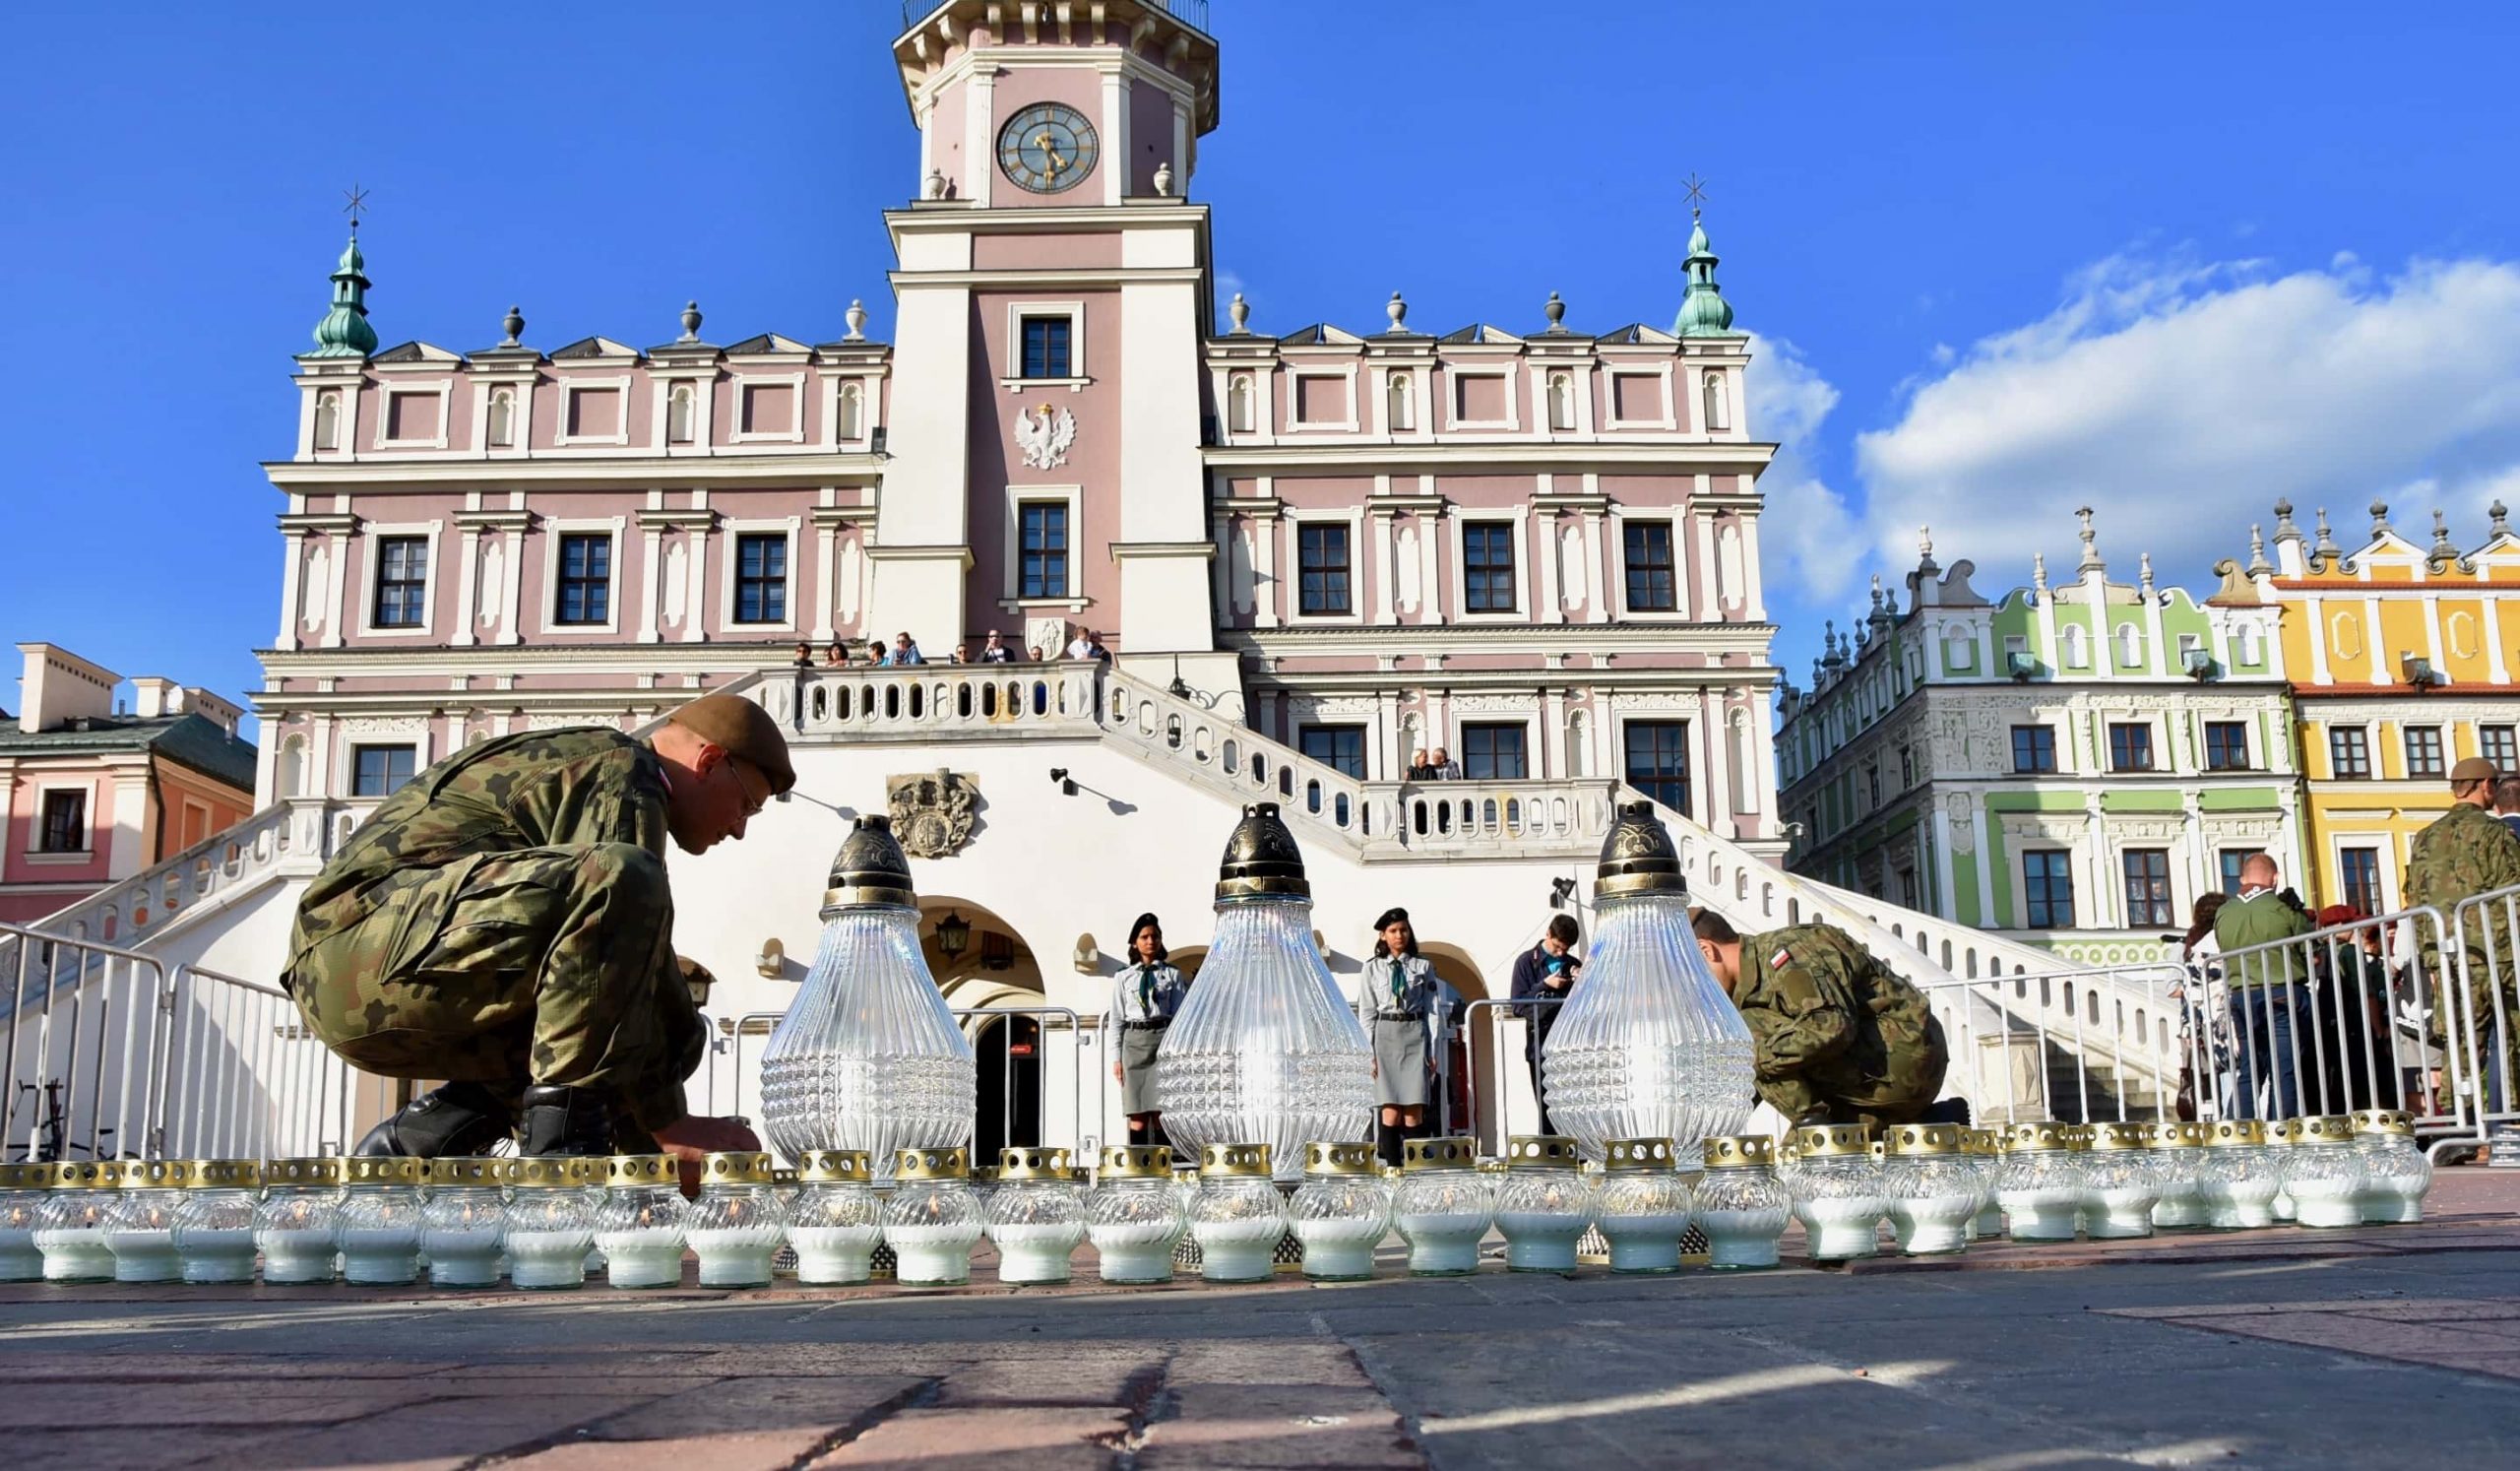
pixel 868 870
pixel 1638 857
pixel 1261 860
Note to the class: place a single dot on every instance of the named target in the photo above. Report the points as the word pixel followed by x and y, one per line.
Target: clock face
pixel 1047 148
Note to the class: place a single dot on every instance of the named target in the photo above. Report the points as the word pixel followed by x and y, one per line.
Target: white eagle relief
pixel 1044 440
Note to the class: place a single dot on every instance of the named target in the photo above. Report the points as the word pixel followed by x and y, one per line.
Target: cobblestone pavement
pixel 2276 1348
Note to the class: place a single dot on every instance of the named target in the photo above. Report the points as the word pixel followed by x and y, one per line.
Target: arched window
pixel 1238 406
pixel 2077 647
pixel 1716 415
pixel 2130 645
pixel 1397 391
pixel 1561 402
pixel 679 405
pixel 328 421
pixel 502 418
pixel 853 411
pixel 1579 744
pixel 292 776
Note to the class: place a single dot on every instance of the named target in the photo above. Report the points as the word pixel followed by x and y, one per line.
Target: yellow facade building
pixel 2402 656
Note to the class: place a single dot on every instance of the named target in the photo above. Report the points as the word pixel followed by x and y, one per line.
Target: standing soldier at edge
pixel 1841 1038
pixel 502 921
pixel 2467 851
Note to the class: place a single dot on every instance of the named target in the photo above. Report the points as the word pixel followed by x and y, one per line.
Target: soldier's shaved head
pixel 2258 871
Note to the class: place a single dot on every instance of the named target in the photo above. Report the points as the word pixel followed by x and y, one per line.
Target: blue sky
pixel 2175 260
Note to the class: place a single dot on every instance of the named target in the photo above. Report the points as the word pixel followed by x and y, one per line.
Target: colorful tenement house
pixel 2075 762
pixel 2402 656
pixel 95 792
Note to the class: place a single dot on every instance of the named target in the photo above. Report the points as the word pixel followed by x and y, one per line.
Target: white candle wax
pixel 2329 1201
pixel 2178 1205
pixel 1540 1240
pixel 1238 1250
pixel 828 1255
pixel 2042 1213
pixel 1036 1253
pixel 938 1255
pixel 293 1255
pixel 381 1255
pixel 1738 1240
pixel 1443 1242
pixel 2125 1211
pixel 217 1253
pixel 143 1253
pixel 1841 1227
pixel 2393 1200
pixel 2240 1204
pixel 19 1261
pixel 1649 1242
pixel 1338 1250
pixel 1933 1225
pixel 1989 1222
pixel 461 1256
pixel 642 1256
pixel 76 1253
pixel 734 1256
pixel 1134 1251
pixel 548 1259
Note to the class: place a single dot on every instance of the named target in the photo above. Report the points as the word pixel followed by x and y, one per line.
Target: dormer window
pixel 680 406
pixel 1718 417
pixel 502 418
pixel 327 420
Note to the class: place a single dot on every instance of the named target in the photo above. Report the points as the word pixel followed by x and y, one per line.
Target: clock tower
pixel 1047 397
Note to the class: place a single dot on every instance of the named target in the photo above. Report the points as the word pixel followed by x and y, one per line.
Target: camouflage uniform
pixel 2467 852
pixel 1836 1029
pixel 503 918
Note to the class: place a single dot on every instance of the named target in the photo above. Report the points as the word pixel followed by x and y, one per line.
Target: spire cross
pixel 358 205
pixel 1696 188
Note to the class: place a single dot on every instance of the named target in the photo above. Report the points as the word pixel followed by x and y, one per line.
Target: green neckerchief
pixel 1398 984
pixel 1146 989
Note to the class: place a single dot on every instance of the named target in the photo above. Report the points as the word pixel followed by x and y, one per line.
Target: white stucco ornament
pixel 1044 440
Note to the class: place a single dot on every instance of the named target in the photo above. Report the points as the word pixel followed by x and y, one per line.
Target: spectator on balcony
pixel 877 655
pixel 1841 1037
pixel 1087 645
pixel 905 652
pixel 2204 1012
pixel 1543 975
pixel 2266 973
pixel 1144 997
pixel 996 650
pixel 962 654
pixel 1445 768
pixel 1399 1000
pixel 1420 768
pixel 836 655
pixel 1034 653
pixel 804 654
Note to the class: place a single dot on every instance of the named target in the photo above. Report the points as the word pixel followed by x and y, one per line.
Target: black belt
pixel 1400 1016
pixel 1158 1025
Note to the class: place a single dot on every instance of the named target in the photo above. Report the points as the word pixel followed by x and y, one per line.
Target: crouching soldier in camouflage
pixel 1841 1038
pixel 502 923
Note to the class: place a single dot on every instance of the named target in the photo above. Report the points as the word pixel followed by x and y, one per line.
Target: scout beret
pixel 743 729
pixel 2471 769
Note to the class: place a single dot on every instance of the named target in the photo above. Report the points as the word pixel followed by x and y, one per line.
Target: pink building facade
pixel 1535 548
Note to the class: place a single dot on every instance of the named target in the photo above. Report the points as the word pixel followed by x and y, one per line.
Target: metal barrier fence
pixel 2482 1066
pixel 245 1079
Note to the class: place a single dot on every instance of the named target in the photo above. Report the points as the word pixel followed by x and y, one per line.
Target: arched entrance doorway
pixel 1471 1092
pixel 990 979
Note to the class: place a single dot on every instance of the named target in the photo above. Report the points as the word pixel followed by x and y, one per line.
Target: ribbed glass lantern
pixel 1643 1208
pixel 1543 1204
pixel 1983 1149
pixel 2177 1149
pixel 2279 1138
pixel 298 1224
pixel 1263 1049
pixel 214 1223
pixel 1035 1217
pixel 2041 1184
pixel 1341 1212
pixel 933 1221
pixel 839 1219
pixel 1839 1193
pixel 1443 1207
pixel 1239 1217
pixel 462 1225
pixel 1931 1187
pixel 381 1219
pixel 2323 1172
pixel 1135 1217
pixel 1649 1046
pixel 141 1232
pixel 738 1220
pixel 869 1058
pixel 549 1227
pixel 21 1201
pixel 2237 1176
pixel 2125 1177
pixel 70 1229
pixel 1741 1205
pixel 2396 1174
pixel 640 1222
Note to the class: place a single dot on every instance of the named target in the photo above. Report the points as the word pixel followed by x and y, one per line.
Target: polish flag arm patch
pixel 1779 960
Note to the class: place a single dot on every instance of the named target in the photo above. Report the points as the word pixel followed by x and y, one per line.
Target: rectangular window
pixel 2147 888
pixel 584 594
pixel 1906 767
pixel 760 577
pixel 2424 752
pixel 1321 554
pixel 2231 860
pixel 2497 744
pixel 376 770
pixel 2225 746
pixel 2359 868
pixel 1342 748
pixel 1872 785
pixel 2034 748
pixel 1657 761
pixel 2349 753
pixel 65 822
pixel 1045 346
pixel 1650 584
pixel 1045 550
pixel 1488 567
pixel 1494 753
pixel 2131 748
pixel 2048 889
pixel 401 582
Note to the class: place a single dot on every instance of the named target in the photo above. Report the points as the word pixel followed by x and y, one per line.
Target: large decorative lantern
pixel 1265 1050
pixel 1648 1046
pixel 869 1058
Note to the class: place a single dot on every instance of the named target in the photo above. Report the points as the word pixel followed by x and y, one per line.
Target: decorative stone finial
pixel 2441 537
pixel 2143 572
pixel 690 322
pixel 1398 311
pixel 2500 517
pixel 2039 570
pixel 513 324
pixel 2380 519
pixel 2258 566
pixel 2091 562
pixel 1241 311
pixel 345 331
pixel 1164 179
pixel 2284 527
pixel 2325 545
pixel 857 319
pixel 1556 311
pixel 933 186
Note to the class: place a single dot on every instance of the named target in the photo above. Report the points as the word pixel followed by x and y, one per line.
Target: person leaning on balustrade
pixel 2466 851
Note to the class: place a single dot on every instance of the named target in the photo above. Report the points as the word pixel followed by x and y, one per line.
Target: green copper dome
pixel 1703 311
pixel 343 332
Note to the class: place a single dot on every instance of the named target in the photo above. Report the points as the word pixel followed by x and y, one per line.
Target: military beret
pixel 2471 769
pixel 743 729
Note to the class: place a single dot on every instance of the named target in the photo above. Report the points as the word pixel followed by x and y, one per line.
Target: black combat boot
pixel 567 1120
pixel 452 1119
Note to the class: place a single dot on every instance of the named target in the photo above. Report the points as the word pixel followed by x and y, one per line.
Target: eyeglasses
pixel 752 805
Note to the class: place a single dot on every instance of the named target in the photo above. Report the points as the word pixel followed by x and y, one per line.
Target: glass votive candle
pixel 2323 1172
pixel 2237 1176
pixel 2123 1177
pixel 1741 1206
pixel 213 1229
pixel 297 1225
pixel 2396 1174
pixel 70 1229
pixel 1134 1217
pixel 2177 1150
pixel 2041 1183
pixel 381 1215
pixel 1443 1207
pixel 1983 1148
pixel 21 1188
pixel 1341 1212
pixel 837 1221
pixel 1837 1190
pixel 551 1222
pixel 933 1220
pixel 639 1225
pixel 1543 1204
pixel 464 1218
pixel 1643 1207
pixel 1930 1186
pixel 2279 1135
pixel 1034 1217
pixel 140 1231
pixel 737 1222
pixel 1239 1217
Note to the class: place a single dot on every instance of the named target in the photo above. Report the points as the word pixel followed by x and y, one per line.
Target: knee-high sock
pixel 1387 1142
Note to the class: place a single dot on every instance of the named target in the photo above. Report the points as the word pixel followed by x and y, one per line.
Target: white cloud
pixel 1802 533
pixel 2182 399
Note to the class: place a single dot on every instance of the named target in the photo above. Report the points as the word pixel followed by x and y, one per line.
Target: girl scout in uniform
pixel 1145 996
pixel 1397 998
